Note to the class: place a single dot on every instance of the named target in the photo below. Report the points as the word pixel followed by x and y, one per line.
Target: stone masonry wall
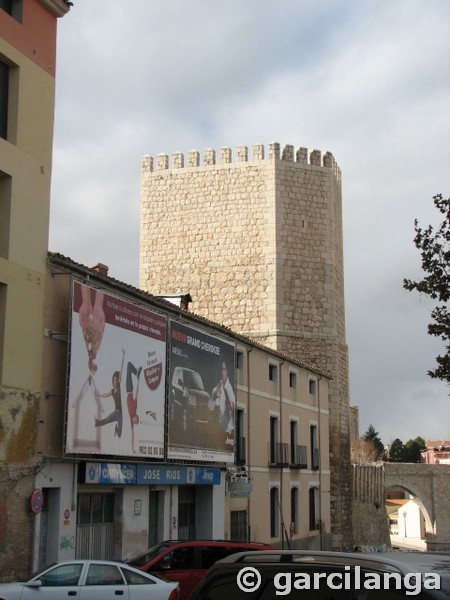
pixel 18 427
pixel 208 231
pixel 370 523
pixel 258 244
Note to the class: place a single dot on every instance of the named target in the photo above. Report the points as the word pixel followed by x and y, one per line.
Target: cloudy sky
pixel 367 81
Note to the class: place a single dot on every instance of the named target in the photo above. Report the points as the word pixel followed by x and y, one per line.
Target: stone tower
pixel 258 244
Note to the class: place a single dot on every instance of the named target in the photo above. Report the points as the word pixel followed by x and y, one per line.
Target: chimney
pixel 101 269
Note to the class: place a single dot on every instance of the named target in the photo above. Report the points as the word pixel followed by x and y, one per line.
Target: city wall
pixel 370 523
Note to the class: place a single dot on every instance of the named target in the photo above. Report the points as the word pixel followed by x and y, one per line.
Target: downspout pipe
pixel 320 462
pixel 248 453
pixel 280 396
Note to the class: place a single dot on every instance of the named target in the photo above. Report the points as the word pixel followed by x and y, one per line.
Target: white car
pixel 91 580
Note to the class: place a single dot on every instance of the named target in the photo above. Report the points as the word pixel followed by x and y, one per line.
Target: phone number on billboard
pixel 151 451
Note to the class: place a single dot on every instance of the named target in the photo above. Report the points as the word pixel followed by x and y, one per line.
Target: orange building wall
pixel 35 37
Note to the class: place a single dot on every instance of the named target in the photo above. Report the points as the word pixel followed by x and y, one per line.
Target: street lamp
pixel 404 522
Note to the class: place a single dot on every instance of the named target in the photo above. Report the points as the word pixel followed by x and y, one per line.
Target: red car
pixel 188 562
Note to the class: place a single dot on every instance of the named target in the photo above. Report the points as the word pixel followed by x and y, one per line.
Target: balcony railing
pixel 240 451
pixel 278 454
pixel 299 457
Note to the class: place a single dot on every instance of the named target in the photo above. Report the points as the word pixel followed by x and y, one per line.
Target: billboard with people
pixel 202 400
pixel 116 395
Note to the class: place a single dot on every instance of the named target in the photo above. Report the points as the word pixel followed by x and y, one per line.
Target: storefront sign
pixel 207 476
pixel 108 473
pixel 240 488
pixel 177 475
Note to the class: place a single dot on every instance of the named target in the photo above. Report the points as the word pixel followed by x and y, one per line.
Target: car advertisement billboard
pixel 202 400
pixel 116 395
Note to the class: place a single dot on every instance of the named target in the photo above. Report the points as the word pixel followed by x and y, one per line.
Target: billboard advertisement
pixel 202 400
pixel 117 377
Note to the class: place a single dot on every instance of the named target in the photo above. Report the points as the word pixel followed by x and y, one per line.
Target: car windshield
pixel 193 381
pixel 142 558
pixel 41 570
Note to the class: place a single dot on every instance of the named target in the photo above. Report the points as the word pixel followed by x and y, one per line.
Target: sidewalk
pixel 402 543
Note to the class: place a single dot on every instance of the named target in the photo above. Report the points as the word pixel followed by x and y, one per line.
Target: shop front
pixel 113 510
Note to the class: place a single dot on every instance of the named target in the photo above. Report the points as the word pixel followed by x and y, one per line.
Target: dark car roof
pixel 221 542
pixel 403 562
pixel 424 564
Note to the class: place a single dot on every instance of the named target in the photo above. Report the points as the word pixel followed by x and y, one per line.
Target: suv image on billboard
pixel 188 561
pixel 308 575
pixel 189 401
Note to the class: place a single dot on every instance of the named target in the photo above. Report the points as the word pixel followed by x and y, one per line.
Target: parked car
pixel 303 575
pixel 189 401
pixel 188 561
pixel 90 580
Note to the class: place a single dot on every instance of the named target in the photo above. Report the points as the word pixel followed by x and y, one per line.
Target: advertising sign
pixel 107 473
pixel 202 401
pixel 117 377
pixel 155 474
pixel 177 475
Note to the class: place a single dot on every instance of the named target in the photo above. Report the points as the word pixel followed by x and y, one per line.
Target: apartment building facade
pixel 27 87
pixel 179 471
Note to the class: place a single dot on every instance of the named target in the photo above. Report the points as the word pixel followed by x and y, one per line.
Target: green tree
pixel 373 437
pixel 396 451
pixel 413 449
pixel 434 246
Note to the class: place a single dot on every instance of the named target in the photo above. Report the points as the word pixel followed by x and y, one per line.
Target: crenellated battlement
pixel 224 156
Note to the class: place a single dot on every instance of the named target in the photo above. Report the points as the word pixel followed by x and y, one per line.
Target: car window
pixel 104 575
pixel 136 578
pixel 209 555
pixel 180 558
pixel 144 557
pixel 62 575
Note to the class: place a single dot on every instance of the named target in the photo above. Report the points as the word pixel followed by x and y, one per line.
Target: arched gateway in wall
pixel 430 485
